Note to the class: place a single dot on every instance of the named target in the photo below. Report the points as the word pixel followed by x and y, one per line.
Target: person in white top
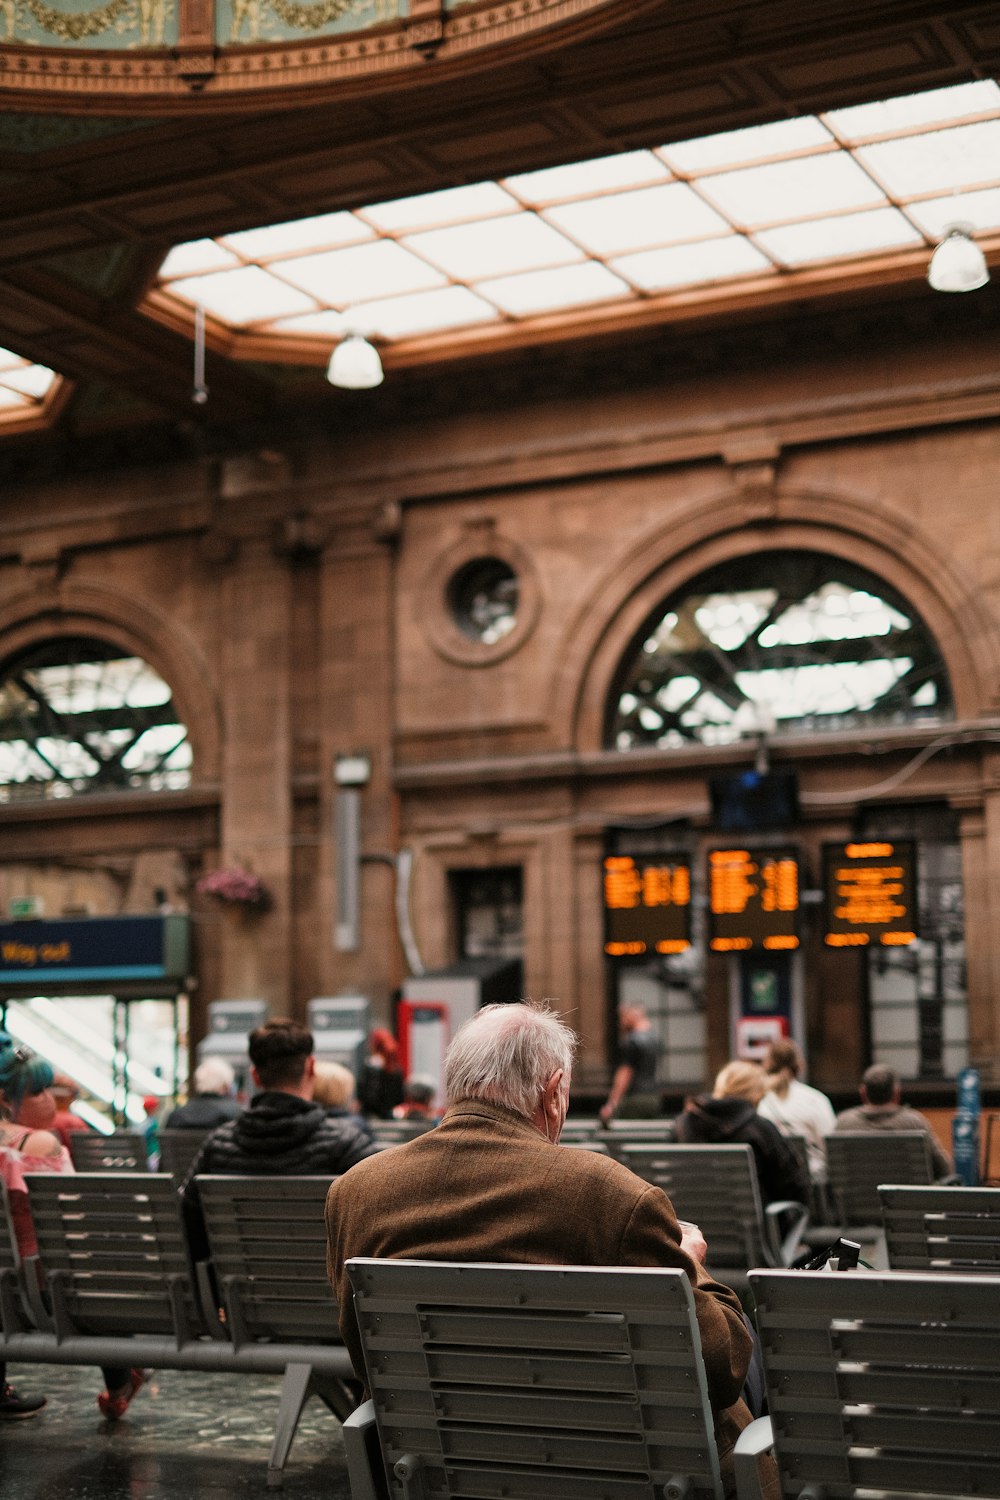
pixel 795 1107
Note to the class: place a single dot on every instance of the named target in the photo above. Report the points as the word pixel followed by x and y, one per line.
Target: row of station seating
pixel 490 1373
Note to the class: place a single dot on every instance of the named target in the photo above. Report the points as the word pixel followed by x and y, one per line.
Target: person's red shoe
pixel 114 1404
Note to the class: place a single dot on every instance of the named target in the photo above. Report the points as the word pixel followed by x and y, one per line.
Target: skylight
pixel 24 386
pixel 743 212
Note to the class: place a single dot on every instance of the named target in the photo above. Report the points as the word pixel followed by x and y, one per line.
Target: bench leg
pixel 294 1394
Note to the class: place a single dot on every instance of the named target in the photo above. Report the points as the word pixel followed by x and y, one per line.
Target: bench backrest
pixel 122 1151
pixel 114 1252
pixel 713 1186
pixel 942 1228
pixel 267 1243
pixel 884 1383
pixel 857 1161
pixel 529 1381
pixel 178 1149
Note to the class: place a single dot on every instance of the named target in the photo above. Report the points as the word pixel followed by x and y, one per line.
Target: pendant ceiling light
pixel 355 365
pixel 958 264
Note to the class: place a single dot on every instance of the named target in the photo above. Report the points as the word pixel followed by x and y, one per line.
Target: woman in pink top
pixel 27 1144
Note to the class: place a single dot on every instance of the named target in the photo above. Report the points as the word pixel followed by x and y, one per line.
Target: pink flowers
pixel 235 887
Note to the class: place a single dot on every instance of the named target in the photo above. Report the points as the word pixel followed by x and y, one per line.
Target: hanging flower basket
pixel 235 887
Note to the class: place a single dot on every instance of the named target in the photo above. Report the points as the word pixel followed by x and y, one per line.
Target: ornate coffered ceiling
pixel 102 170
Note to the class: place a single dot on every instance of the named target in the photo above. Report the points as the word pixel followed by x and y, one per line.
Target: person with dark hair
pixel 27 1144
pixel 795 1107
pixel 881 1109
pixel 633 1094
pixel 283 1132
pixel 492 1183
pixel 728 1117
pixel 380 1087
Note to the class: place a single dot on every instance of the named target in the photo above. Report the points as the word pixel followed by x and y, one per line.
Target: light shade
pixel 958 264
pixel 355 365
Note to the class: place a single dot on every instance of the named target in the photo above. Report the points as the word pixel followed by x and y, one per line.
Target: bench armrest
pixel 751 1443
pixel 363 1452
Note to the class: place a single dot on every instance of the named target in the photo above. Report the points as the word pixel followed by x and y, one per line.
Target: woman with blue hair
pixel 27 1144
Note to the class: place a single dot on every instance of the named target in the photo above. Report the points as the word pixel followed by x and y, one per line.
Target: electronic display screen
pixel 753 899
pixel 752 800
pixel 647 904
pixel 870 893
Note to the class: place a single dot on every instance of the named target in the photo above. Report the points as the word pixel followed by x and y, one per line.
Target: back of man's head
pixel 506 1054
pixel 213 1076
pixel 879 1084
pixel 279 1051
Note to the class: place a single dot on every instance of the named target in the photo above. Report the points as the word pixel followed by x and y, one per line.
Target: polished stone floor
pixel 186 1437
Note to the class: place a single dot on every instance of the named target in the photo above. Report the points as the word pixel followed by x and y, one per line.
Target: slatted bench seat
pixel 563 1382
pixel 942 1228
pixel 716 1188
pixel 120 1290
pixel 878 1384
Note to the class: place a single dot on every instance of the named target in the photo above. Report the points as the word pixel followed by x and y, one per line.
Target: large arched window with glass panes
pixel 785 644
pixel 789 642
pixel 81 715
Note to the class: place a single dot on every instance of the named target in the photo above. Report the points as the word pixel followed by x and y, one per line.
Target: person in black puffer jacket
pixel 728 1116
pixel 281 1133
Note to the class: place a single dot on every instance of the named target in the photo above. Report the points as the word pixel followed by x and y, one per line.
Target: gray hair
pixel 213 1076
pixel 506 1054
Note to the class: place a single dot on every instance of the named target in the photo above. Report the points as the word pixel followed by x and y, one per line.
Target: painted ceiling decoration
pixel 124 50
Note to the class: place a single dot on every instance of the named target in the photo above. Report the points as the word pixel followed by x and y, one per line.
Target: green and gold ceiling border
pixel 148 54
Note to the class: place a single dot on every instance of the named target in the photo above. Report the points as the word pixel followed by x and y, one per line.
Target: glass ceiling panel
pixel 300 235
pixel 339 278
pixel 23 385
pixel 761 204
pixel 788 190
pixel 640 219
pixel 541 291
pixel 585 178
pixel 685 265
pixel 963 156
pixel 825 239
pixel 981 210
pixel 477 200
pixel 738 147
pixel 247 295
pixel 194 258
pixel 495 247
pixel 933 107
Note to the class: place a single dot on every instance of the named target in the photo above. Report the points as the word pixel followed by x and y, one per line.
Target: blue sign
pixel 81 950
pixel 967 1084
pixel 965 1146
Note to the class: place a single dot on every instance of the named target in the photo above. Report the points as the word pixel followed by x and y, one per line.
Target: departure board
pixel 870 893
pixel 753 899
pixel 647 904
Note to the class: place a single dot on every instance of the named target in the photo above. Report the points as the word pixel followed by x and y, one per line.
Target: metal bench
pixel 942 1228
pixel 564 1382
pixel 716 1188
pixel 884 1383
pixel 120 1290
pixel 178 1149
pixel 122 1151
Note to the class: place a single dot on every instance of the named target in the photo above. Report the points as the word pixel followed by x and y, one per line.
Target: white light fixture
pixel 958 264
pixel 355 365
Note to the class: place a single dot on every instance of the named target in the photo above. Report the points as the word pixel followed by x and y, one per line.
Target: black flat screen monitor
pixel 748 801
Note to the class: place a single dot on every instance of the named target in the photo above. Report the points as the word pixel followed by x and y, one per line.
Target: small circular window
pixel 483 598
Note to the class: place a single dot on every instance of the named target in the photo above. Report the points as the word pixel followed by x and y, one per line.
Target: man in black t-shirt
pixel 634 1094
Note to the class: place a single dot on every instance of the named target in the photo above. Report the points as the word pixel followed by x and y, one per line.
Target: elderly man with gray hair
pixel 492 1183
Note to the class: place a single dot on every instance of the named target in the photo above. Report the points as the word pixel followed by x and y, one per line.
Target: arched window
pixel 788 642
pixel 80 715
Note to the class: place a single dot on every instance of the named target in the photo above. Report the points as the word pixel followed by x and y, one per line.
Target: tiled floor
pixel 186 1437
